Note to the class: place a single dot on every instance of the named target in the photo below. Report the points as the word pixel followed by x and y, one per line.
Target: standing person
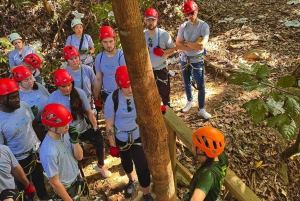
pixel 17 55
pixel 106 64
pixel 160 46
pixel 208 145
pixel 60 152
pixel 124 135
pixel 19 131
pixel 191 39
pixel 10 169
pixel 82 42
pixel 82 74
pixel 77 103
pixel 33 63
pixel 31 92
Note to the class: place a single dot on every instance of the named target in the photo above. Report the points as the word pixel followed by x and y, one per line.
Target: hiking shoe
pixel 188 106
pixel 148 197
pixel 204 114
pixel 130 189
pixel 105 172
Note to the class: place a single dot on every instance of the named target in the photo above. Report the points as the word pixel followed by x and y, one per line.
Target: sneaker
pixel 105 172
pixel 204 114
pixel 188 106
pixel 148 197
pixel 130 189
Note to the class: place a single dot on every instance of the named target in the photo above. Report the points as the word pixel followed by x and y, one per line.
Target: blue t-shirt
pixel 107 66
pixel 88 78
pixel 164 40
pixel 57 97
pixel 15 59
pixel 37 97
pixel 124 120
pixel 192 33
pixel 7 163
pixel 16 130
pixel 57 159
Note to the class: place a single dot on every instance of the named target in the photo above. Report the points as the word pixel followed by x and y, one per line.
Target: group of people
pixel 36 125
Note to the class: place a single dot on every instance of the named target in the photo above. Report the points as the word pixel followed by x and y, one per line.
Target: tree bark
pixel 147 100
pixel 295 148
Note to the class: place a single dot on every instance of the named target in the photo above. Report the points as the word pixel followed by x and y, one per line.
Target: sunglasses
pixel 190 13
pixel 21 57
pixel 150 42
pixel 129 109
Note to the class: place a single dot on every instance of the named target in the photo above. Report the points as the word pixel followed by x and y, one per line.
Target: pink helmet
pixel 189 6
pixel 56 115
pixel 19 73
pixel 62 76
pixel 8 86
pixel 122 77
pixel 70 51
pixel 106 32
pixel 33 60
pixel 151 13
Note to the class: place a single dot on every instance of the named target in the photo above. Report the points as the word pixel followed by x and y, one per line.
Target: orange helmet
pixel 122 77
pixel 106 32
pixel 210 140
pixel 19 73
pixel 190 6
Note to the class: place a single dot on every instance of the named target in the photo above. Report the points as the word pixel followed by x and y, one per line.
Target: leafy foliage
pixel 277 105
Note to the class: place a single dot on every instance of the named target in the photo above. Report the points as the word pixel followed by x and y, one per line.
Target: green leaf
pixel 257 109
pixel 263 71
pixel 249 86
pixel 275 95
pixel 278 120
pixel 239 78
pixel 255 67
pixel 286 81
pixel 275 107
pixel 266 82
pixel 289 131
pixel 292 107
pixel 263 89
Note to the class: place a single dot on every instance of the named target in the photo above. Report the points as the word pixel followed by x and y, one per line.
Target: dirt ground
pixel 236 27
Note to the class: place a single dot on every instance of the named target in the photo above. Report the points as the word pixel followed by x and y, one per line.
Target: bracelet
pixel 96 128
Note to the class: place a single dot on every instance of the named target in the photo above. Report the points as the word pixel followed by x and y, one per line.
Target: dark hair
pixel 76 104
pixel 35 86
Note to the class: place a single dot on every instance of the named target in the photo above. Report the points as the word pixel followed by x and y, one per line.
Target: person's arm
pixel 91 117
pixel 168 52
pixel 198 195
pixel 77 151
pixel 59 188
pixel 197 45
pixel 19 174
pixel 38 130
pixel 98 85
pixel 180 45
pixel 110 131
pixel 92 50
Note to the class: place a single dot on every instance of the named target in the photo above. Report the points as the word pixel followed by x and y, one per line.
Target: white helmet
pixel 75 22
pixel 14 36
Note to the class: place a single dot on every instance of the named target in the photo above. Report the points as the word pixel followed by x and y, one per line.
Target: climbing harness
pixel 130 140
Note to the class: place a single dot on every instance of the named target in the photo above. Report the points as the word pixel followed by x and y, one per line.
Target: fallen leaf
pixel 259 164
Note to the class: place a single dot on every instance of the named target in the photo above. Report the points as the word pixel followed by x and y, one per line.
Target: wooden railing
pixel 176 127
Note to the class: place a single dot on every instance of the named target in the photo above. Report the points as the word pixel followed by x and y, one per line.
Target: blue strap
pixel 120 55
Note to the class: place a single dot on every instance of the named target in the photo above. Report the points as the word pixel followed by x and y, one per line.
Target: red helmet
pixel 19 73
pixel 210 140
pixel 106 32
pixel 189 6
pixel 8 86
pixel 62 76
pixel 151 13
pixel 56 115
pixel 33 60
pixel 122 77
pixel 70 51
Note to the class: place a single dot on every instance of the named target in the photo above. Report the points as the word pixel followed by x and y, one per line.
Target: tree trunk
pixel 147 100
pixel 295 148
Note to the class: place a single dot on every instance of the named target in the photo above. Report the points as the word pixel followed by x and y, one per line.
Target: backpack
pixel 115 98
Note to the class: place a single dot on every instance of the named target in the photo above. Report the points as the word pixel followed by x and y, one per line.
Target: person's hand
pixel 73 133
pixel 29 191
pixel 34 110
pixel 163 109
pixel 114 151
pixel 158 51
pixel 98 105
